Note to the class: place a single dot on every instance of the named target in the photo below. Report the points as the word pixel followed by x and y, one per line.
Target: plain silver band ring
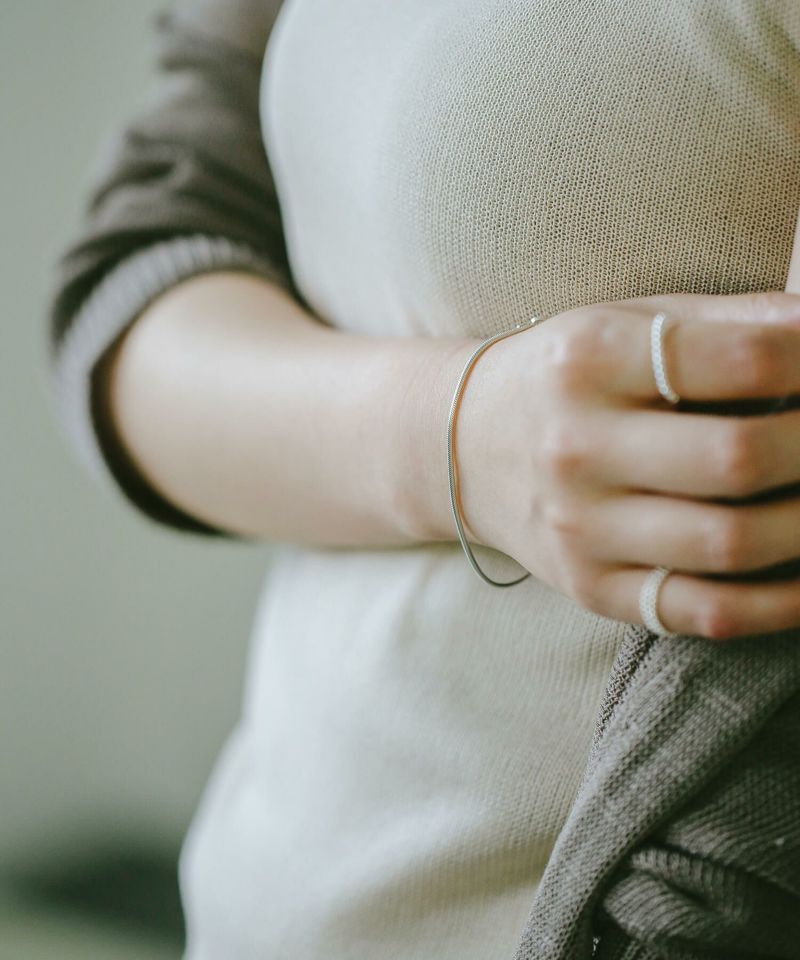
pixel 648 601
pixel 657 358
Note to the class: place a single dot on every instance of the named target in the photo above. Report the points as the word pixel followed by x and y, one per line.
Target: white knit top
pixel 412 738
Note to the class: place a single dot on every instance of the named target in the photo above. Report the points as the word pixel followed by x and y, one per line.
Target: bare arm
pixel 243 409
pixel 251 414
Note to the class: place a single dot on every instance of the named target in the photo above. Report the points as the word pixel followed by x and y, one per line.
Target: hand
pixel 570 462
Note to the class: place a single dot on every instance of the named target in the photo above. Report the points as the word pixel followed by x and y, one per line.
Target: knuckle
pixel 574 353
pixel 715 619
pixel 736 456
pixel 565 450
pixel 756 358
pixel 727 542
pixel 564 518
pixel 584 586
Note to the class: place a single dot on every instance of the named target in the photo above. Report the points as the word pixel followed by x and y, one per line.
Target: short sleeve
pixel 185 187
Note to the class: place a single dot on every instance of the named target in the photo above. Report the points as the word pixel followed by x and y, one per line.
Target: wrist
pixel 424 485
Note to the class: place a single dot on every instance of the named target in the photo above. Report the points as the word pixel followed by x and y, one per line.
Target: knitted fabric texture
pixel 167 199
pixel 447 169
pixel 684 840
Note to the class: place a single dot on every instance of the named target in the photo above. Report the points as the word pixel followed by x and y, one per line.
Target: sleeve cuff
pixel 114 303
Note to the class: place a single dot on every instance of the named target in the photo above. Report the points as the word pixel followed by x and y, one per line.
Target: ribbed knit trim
pixel 122 294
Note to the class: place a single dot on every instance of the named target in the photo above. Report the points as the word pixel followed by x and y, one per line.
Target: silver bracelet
pixel 452 470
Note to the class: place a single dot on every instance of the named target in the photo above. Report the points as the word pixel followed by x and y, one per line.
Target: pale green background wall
pixel 121 644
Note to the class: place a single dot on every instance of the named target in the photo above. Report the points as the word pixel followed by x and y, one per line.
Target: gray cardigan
pixel 684 840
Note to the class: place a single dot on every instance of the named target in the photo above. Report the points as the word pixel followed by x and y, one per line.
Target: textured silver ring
pixel 648 601
pixel 657 358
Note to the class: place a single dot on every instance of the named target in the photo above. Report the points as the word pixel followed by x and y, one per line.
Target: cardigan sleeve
pixel 182 188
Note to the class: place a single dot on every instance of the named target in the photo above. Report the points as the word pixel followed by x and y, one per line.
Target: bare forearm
pixel 247 412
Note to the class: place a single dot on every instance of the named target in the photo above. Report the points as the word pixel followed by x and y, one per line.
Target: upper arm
pixel 182 187
pixel 192 159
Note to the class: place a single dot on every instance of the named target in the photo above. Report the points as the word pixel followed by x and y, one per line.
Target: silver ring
pixel 657 358
pixel 648 601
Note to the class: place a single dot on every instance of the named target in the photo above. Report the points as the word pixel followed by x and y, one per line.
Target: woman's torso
pixel 412 738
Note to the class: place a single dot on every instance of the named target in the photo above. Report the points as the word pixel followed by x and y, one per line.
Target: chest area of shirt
pixel 453 143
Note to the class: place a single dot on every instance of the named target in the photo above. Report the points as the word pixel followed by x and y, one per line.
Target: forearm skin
pixel 246 411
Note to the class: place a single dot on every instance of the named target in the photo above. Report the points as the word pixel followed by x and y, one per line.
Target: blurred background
pixel 122 644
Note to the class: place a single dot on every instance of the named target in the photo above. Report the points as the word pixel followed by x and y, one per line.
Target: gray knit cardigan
pixel 684 840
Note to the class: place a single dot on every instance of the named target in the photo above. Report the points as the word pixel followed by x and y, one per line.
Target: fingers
pixel 697 607
pixel 696 455
pixel 714 348
pixel 692 536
